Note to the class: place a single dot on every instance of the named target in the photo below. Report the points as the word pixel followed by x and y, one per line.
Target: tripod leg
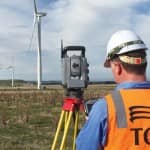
pixel 66 130
pixel 58 130
pixel 66 118
pixel 75 128
pixel 65 122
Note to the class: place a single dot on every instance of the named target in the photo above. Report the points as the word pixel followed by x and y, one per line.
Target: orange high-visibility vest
pixel 128 120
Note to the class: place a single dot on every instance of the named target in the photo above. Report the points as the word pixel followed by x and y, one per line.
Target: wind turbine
pixel 37 18
pixel 12 75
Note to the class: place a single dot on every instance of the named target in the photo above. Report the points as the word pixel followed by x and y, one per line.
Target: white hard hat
pixel 122 42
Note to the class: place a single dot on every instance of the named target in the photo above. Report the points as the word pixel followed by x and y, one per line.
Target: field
pixel 29 117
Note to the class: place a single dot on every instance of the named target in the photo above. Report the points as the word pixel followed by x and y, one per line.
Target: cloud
pixel 85 22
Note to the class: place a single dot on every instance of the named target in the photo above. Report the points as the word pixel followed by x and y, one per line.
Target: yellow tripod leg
pixel 66 118
pixel 58 130
pixel 75 128
pixel 65 122
pixel 66 130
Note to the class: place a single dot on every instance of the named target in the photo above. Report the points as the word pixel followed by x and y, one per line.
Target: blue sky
pixel 85 22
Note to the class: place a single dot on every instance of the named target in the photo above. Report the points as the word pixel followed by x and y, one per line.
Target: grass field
pixel 28 117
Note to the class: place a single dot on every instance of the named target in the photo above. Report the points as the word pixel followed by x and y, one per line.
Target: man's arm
pixel 93 134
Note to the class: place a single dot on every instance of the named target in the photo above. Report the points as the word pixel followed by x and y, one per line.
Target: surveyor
pixel 121 120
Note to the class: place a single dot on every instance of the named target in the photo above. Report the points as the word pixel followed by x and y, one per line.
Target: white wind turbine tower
pixel 12 75
pixel 37 18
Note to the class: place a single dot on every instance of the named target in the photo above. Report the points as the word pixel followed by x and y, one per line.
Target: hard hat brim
pixel 132 48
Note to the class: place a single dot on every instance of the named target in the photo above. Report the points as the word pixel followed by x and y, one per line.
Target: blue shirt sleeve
pixel 94 132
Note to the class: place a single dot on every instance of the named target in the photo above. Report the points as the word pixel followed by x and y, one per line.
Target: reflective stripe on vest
pixel 119 106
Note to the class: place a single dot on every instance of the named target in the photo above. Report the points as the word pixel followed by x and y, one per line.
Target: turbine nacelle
pixel 40 14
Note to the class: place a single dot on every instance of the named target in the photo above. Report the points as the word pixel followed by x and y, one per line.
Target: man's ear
pixel 118 68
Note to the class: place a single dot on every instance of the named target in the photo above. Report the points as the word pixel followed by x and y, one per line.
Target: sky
pixel 78 22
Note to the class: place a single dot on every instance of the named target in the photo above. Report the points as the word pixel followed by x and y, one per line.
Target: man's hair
pixel 139 69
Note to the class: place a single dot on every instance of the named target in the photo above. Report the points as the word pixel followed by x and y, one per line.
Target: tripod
pixel 70 109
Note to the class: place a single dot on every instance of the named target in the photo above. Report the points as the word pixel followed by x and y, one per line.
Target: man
pixel 121 120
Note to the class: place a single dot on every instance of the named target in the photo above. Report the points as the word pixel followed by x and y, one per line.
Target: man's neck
pixel 133 78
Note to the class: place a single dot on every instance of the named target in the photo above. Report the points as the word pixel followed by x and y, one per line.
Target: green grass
pixel 28 119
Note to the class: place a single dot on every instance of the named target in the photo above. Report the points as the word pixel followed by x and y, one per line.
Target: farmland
pixel 29 117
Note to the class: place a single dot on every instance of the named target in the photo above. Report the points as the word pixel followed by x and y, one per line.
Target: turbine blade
pixel 34 20
pixel 32 35
pixel 35 8
pixel 61 48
